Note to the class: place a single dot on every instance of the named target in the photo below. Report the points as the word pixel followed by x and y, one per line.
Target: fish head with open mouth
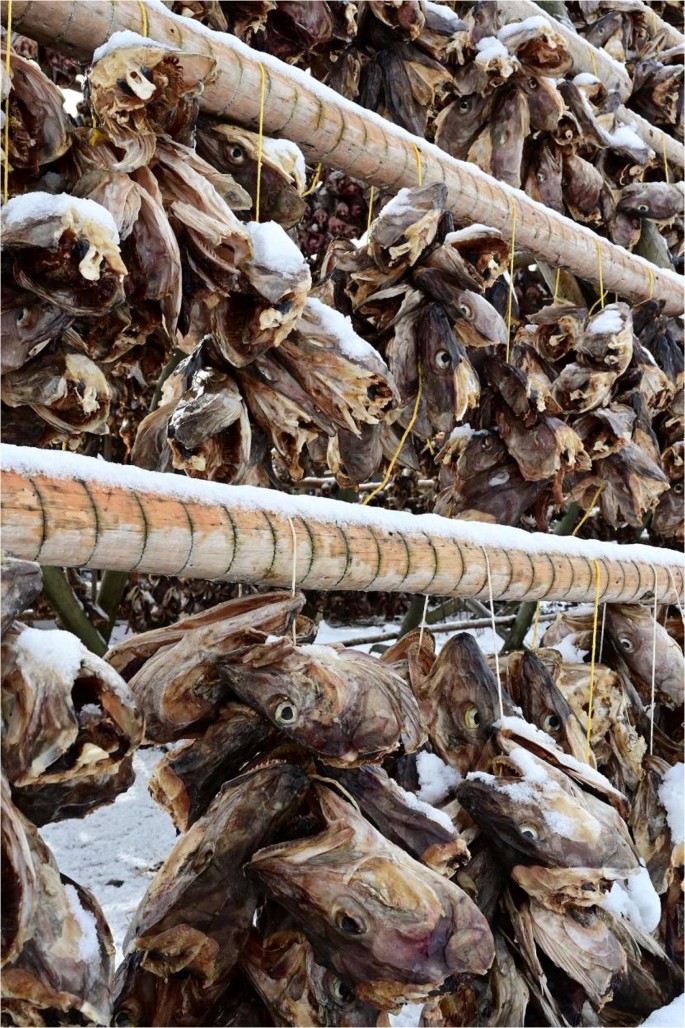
pixel 477 322
pixel 459 700
pixel 389 925
pixel 347 706
pixel 630 631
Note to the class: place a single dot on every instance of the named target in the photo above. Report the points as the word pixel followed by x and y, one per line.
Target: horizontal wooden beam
pixel 74 511
pixel 345 136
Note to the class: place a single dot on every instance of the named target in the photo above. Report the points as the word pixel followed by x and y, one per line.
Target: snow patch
pixel 608 320
pixel 426 808
pixel 436 778
pixel 637 901
pixel 288 155
pixel 529 25
pixel 125 39
pixel 570 653
pixel 671 1016
pixel 408 1017
pixel 671 792
pixel 489 47
pixel 38 206
pixel 273 248
pixel 339 325
pixel 59 653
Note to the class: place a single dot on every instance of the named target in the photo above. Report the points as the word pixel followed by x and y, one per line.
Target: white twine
pixel 601 634
pixel 675 593
pixel 423 622
pixel 494 633
pixel 653 689
pixel 293 581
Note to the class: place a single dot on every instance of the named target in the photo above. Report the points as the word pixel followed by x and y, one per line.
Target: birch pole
pixel 75 511
pixel 343 135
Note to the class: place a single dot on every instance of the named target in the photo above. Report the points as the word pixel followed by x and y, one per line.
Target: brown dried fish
pixel 384 922
pixel 68 390
pixel 21 582
pixel 38 124
pixel 69 719
pixel 631 632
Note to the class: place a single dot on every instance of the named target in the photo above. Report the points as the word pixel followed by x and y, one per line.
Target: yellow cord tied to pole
pixel 556 285
pixel 511 275
pixel 398 451
pixel 419 167
pixel 652 697
pixel 602 294
pixel 293 584
pixel 260 142
pixel 8 47
pixel 315 180
pixel 589 511
pixel 143 14
pixel 595 617
pixel 668 177
pixel 494 632
pixel 536 624
pixel 370 215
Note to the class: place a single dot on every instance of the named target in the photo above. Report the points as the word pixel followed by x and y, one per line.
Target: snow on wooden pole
pixel 342 135
pixel 74 511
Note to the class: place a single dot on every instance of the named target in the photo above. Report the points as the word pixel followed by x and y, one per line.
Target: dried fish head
pixel 544 449
pixel 64 250
pixel 544 179
pixel 545 105
pixel 657 201
pixel 559 326
pixel 68 718
pixel 633 484
pixel 68 390
pixel 197 911
pixel 450 384
pixel 631 632
pixel 389 925
pixel 533 688
pixel 608 338
pixel 347 706
pixel 21 582
pixel 235 150
pixel 538 812
pixel 477 322
pixel 458 125
pixel 139 92
pixel 579 388
pixel 297 989
pixel 540 50
pixel 19 879
pixel 406 227
pixel 459 700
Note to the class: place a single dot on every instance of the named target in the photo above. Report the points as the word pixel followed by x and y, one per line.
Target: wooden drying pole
pixel 343 135
pixel 75 511
pixel 598 62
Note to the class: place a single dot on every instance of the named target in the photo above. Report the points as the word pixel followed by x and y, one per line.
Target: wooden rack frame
pixel 76 511
pixel 345 136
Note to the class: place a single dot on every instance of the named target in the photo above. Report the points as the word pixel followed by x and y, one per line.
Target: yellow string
pixel 398 451
pixel 143 14
pixel 556 285
pixel 260 142
pixel 431 450
pixel 511 275
pixel 668 178
pixel 588 512
pixel 536 623
pixel 315 180
pixel 419 168
pixel 423 623
pixel 593 59
pixel 592 663
pixel 8 45
pixel 651 283
pixel 370 217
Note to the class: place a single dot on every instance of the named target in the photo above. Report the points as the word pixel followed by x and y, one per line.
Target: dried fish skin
pixel 404 820
pixel 558 327
pixel 579 388
pixel 64 970
pixel 561 888
pixel 458 125
pixel 532 687
pixel 68 390
pixel 500 496
pixel 459 700
pixel 64 252
pixel 538 47
pixel 19 879
pixel 537 812
pixel 35 139
pixel 406 227
pixel 649 825
pixel 384 922
pixel 178 687
pixel 298 990
pixel 633 484
pixel 139 92
pixel 477 323
pixel 346 706
pixel 186 780
pixel 196 914
pixel 66 718
pixel 544 176
pixel 656 201
pixel 27 328
pixel 21 582
pixel 544 449
pixel 235 151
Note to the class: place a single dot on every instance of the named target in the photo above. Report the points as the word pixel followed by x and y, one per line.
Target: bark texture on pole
pixel 343 135
pixel 79 512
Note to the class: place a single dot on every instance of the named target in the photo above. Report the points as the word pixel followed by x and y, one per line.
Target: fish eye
pixel 465 104
pixel 349 925
pixel 642 208
pixel 466 310
pixel 472 717
pixel 626 644
pixel 236 154
pixel 121 1018
pixel 532 83
pixel 528 831
pixel 340 990
pixel 541 177
pixel 551 723
pixel 678 488
pixel 443 360
pixel 286 713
